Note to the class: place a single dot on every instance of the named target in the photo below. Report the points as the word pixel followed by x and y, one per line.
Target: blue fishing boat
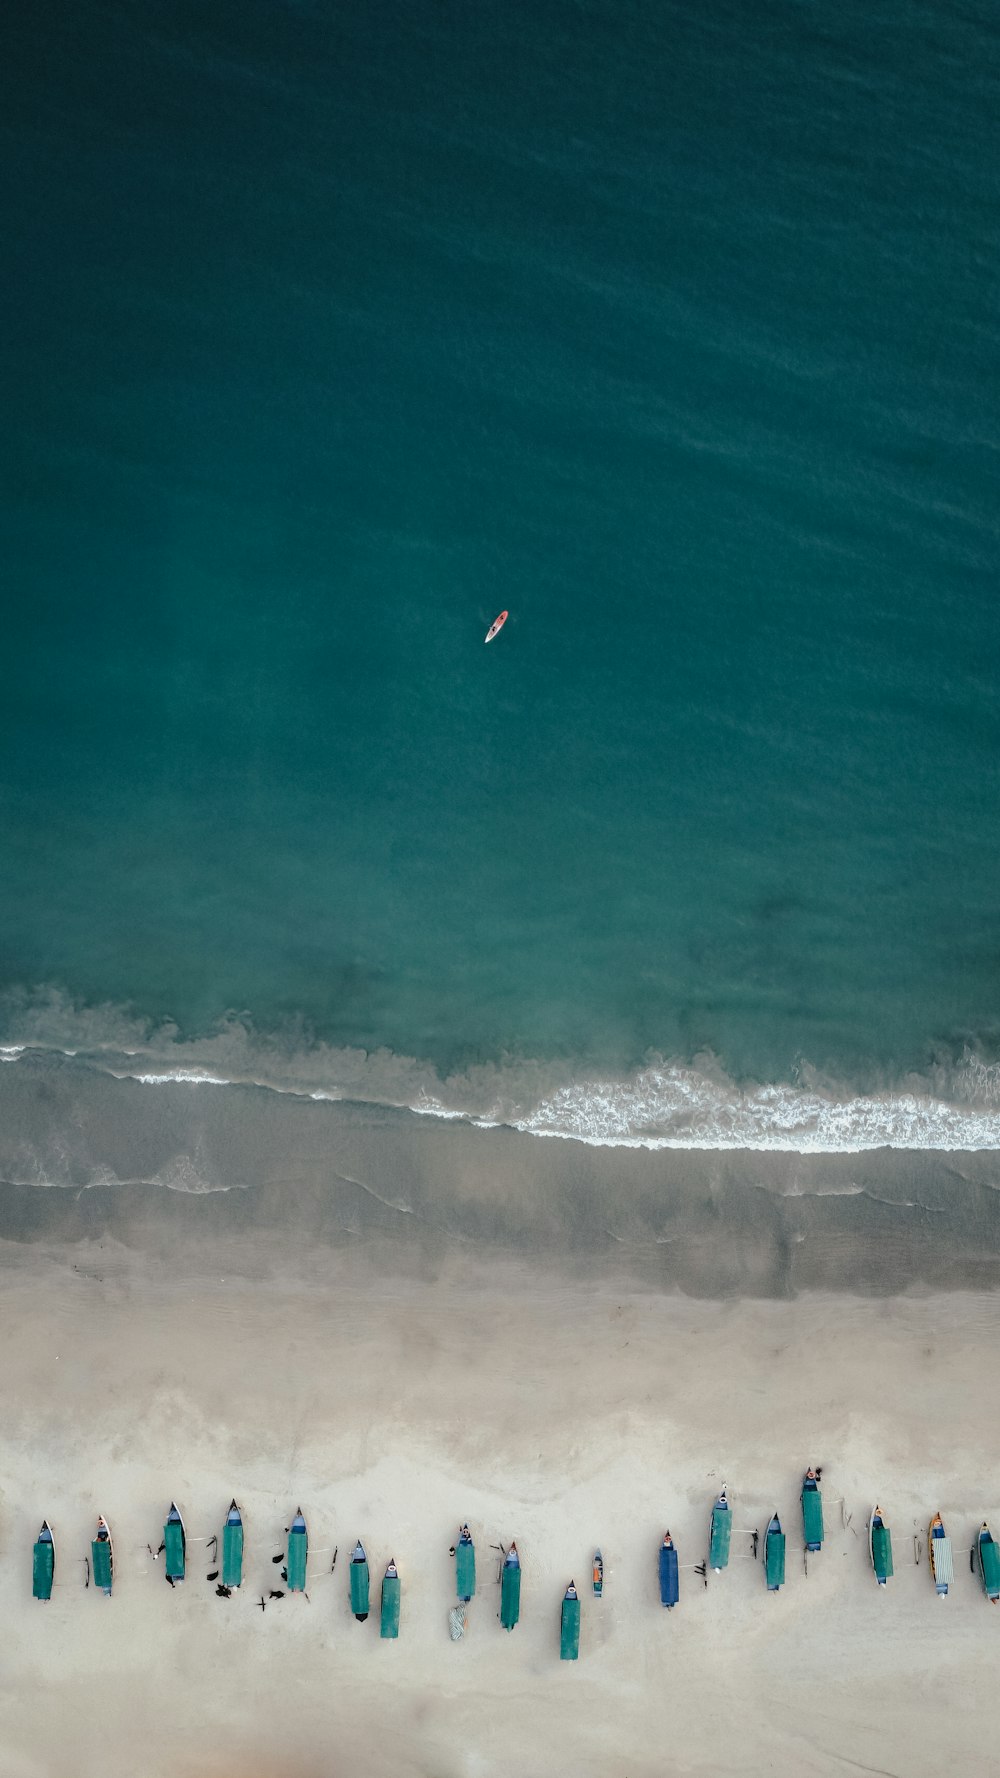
pixel 389 1625
pixel 102 1555
pixel 43 1565
pixel 360 1584
pixel 721 1532
pixel 232 1547
pixel 510 1588
pixel 774 1554
pixel 988 1555
pixel 174 1546
pixel 669 1579
pixel 465 1565
pixel 297 1556
pixel 812 1511
pixel 569 1625
pixel 880 1545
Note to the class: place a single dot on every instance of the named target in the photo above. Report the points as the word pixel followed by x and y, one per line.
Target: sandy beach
pixel 566 1414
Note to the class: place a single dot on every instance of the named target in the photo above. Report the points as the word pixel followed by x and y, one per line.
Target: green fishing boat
pixel 465 1565
pixel 389 1627
pixel 359 1582
pixel 569 1625
pixel 43 1565
pixel 298 1553
pixel 232 1547
pixel 880 1545
pixel 988 1554
pixel 102 1557
pixel 812 1511
pixel 721 1532
pixel 510 1588
pixel 174 1546
pixel 774 1554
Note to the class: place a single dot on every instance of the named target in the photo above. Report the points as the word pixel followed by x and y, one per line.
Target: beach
pixel 165 1345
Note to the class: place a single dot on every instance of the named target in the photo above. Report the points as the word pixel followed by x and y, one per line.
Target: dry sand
pixel 565 1415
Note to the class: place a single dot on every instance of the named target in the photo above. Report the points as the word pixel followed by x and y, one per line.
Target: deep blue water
pixel 328 333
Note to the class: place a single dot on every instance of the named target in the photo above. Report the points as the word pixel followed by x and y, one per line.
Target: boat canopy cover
pixel 774 1560
pixel 359 1587
pixel 669 1587
pixel 232 1555
pixel 722 1530
pixel 173 1554
pixel 944 1561
pixel 298 1555
pixel 812 1518
pixel 100 1551
pixel 465 1570
pixel 569 1631
pixel 881 1551
pixel 510 1595
pixel 43 1568
pixel 989 1558
pixel 390 1607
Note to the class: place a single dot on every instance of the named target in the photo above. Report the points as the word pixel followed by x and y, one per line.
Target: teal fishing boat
pixel 510 1588
pixel 988 1555
pixel 174 1546
pixel 102 1556
pixel 359 1582
pixel 721 1532
pixel 297 1558
pixel 812 1511
pixel 232 1547
pixel 465 1565
pixel 939 1554
pixel 389 1628
pixel 43 1565
pixel 569 1625
pixel 880 1545
pixel 774 1554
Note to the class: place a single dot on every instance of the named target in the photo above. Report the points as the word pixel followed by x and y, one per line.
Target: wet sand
pixel 392 1398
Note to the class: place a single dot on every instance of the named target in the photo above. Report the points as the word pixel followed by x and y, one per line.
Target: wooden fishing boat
pixel 569 1625
pixel 598 1574
pixel 880 1545
pixel 988 1556
pixel 465 1565
pixel 174 1546
pixel 232 1547
pixel 939 1554
pixel 812 1511
pixel 721 1532
pixel 510 1588
pixel 389 1627
pixel 297 1559
pixel 774 1554
pixel 102 1557
pixel 669 1579
pixel 360 1586
pixel 43 1564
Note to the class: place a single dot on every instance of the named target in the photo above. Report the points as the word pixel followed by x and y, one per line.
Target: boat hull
pixel 669 1576
pixel 360 1589
pixel 569 1630
pixel 389 1624
pixel 465 1571
pixel 298 1555
pixel 812 1516
pixel 774 1557
pixel 103 1564
pixel 880 1545
pixel 989 1564
pixel 174 1547
pixel 722 1531
pixel 232 1550
pixel 43 1565
pixel 510 1595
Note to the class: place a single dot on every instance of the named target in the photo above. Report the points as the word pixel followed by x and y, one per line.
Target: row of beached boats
pixel 986 1554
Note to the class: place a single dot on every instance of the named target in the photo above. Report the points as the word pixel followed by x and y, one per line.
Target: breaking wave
pixel 665 1104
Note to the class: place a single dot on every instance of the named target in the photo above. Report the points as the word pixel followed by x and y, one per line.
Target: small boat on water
pixel 880 1545
pixel 360 1586
pixel 939 1554
pixel 721 1533
pixel 43 1564
pixel 102 1557
pixel 669 1579
pixel 510 1588
pixel 465 1565
pixel 988 1555
pixel 774 1554
pixel 497 625
pixel 812 1511
pixel 232 1547
pixel 174 1546
pixel 389 1627
pixel 297 1558
pixel 569 1625
pixel 598 1574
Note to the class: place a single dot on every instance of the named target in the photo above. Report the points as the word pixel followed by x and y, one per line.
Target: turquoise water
pixel 672 329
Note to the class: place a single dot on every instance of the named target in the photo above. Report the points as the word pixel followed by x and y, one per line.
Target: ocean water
pixel 331 332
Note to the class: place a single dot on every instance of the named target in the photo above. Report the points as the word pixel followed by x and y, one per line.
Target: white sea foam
pixel 666 1104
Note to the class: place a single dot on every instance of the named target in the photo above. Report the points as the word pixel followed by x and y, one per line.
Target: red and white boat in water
pixel 497 625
